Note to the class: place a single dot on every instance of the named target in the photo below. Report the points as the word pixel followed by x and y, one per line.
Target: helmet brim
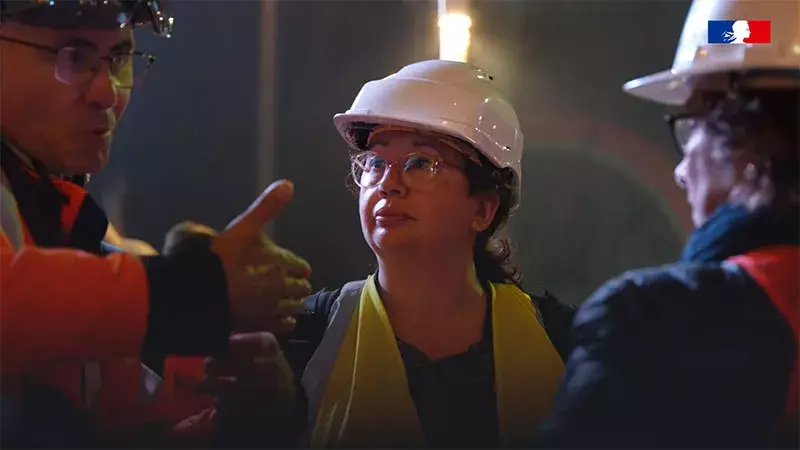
pixel 674 87
pixel 343 122
pixel 666 87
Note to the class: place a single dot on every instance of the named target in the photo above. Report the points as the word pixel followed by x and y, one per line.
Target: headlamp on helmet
pixel 92 14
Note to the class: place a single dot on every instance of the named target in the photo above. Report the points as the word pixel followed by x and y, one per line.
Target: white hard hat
pixel 452 98
pixel 695 56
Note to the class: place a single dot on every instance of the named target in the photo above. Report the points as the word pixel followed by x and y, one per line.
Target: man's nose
pixel 393 183
pixel 102 90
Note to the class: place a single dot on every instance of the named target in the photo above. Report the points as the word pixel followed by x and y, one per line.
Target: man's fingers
pixel 269 205
pixel 296 288
pixel 295 266
pixel 286 325
pixel 235 389
pixel 248 353
pixel 257 367
pixel 290 288
pixel 291 307
pixel 244 345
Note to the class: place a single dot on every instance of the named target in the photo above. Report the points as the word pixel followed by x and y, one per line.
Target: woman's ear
pixel 487 205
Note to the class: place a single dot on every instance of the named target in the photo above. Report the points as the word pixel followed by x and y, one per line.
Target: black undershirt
pixel 455 396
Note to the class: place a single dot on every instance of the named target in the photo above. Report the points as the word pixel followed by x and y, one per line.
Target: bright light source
pixel 454 37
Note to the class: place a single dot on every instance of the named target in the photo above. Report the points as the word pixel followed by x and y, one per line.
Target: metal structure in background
pixel 454 30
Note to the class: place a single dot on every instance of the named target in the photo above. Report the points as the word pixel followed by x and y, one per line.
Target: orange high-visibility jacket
pixel 775 270
pixel 74 322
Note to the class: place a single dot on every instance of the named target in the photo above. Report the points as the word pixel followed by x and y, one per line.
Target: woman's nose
pixel 393 183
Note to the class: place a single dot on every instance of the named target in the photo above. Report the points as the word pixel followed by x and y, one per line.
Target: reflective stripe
pixel 319 367
pixel 151 382
pixel 10 220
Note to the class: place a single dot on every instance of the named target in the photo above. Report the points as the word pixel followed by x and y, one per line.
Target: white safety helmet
pixel 453 98
pixel 695 56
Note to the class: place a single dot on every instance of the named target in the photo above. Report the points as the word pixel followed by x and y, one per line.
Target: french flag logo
pixel 739 32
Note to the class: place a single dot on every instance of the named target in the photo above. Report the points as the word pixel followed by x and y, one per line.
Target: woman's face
pixel 415 194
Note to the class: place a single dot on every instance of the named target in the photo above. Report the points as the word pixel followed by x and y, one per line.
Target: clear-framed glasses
pixel 78 64
pixel 369 168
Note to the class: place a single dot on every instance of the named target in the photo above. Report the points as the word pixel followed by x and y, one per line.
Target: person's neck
pixel 25 158
pixel 433 284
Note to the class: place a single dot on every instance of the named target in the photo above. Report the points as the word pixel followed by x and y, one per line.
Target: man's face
pixel 68 127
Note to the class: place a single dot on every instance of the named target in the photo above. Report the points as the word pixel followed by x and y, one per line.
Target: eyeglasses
pixel 79 64
pixel 681 127
pixel 369 169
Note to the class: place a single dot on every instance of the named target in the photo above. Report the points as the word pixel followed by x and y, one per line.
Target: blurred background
pixel 245 92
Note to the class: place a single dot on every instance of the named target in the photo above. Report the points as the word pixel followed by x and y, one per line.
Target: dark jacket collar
pixel 733 230
pixel 41 201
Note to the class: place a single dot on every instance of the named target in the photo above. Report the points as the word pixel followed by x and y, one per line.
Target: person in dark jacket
pixel 703 353
pixel 440 347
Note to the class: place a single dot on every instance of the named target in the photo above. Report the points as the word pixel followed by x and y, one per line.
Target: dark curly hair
pixel 493 256
pixel 766 122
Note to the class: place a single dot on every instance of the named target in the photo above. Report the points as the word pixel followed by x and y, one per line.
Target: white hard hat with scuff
pixel 695 56
pixel 453 98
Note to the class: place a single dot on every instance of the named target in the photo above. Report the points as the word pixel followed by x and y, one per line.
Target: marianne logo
pixel 739 32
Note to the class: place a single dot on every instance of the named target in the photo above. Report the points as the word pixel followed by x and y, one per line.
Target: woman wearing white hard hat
pixel 440 347
pixel 703 353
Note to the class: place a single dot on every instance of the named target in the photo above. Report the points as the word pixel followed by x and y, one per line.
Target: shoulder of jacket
pixel 322 301
pixel 647 301
pixel 666 280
